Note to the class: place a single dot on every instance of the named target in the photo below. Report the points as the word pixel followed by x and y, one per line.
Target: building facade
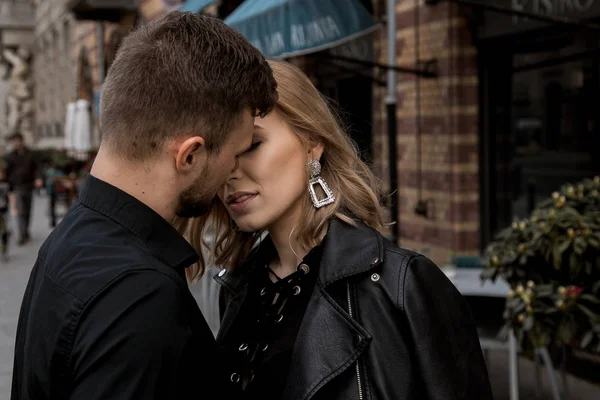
pixel 509 118
pixel 54 66
pixel 16 86
pixel 437 129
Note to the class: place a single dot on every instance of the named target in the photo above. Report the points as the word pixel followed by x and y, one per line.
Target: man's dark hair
pixel 185 73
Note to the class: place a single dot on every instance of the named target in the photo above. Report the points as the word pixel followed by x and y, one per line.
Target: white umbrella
pixel 82 129
pixel 69 122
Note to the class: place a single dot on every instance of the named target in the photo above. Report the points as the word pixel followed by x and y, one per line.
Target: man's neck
pixel 141 182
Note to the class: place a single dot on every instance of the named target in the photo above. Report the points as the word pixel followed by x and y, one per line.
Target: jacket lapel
pixel 230 315
pixel 328 342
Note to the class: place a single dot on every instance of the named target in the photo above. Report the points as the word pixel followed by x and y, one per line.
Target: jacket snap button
pixel 375 277
pixel 222 272
pixel 243 347
pixel 375 261
pixel 357 339
pixel 235 378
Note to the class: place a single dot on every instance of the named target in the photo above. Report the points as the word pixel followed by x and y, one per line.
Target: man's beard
pixel 192 205
pixel 195 201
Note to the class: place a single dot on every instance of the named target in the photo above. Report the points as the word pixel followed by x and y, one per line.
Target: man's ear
pixel 190 153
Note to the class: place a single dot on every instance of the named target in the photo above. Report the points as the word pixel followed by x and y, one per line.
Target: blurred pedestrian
pixel 6 198
pixel 23 173
pixel 322 306
pixel 107 313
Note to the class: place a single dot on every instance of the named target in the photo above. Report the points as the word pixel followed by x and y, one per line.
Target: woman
pixel 315 303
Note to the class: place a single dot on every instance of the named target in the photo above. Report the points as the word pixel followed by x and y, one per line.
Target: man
pixel 107 313
pixel 23 174
pixel 6 198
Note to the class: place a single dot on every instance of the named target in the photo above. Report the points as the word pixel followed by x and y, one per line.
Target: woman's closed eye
pixel 253 146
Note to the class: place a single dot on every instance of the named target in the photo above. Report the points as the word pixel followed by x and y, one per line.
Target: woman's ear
pixel 315 151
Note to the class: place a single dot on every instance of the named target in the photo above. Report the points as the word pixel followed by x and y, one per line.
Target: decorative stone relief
pixel 19 99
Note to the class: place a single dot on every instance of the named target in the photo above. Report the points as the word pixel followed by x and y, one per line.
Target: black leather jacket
pixel 382 323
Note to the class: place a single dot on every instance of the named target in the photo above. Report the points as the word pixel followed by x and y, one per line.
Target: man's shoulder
pixel 88 252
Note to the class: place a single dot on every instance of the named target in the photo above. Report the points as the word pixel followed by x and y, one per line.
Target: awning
pixel 286 28
pixel 196 6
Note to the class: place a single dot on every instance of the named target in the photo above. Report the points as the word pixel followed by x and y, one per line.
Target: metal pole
pixel 391 122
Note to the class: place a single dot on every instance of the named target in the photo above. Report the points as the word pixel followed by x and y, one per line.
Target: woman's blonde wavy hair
pixel 356 190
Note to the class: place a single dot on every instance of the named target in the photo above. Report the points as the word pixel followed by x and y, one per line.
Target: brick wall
pixel 448 178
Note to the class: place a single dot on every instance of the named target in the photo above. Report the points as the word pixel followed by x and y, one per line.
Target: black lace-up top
pixel 262 336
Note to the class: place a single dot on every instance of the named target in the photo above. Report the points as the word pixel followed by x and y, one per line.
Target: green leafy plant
pixel 552 262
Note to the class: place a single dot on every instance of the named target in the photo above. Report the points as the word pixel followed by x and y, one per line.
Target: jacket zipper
pixel 358 377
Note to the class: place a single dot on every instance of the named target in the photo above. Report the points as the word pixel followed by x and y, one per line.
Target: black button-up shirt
pixel 107 313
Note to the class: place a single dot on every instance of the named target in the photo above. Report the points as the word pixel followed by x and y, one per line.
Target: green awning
pixel 286 28
pixel 196 6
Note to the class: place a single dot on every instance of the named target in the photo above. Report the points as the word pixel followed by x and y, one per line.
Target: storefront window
pixel 542 127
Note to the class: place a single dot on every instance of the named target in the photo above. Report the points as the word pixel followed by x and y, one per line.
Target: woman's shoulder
pixel 410 262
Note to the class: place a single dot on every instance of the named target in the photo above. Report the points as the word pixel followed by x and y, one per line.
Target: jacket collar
pixel 348 250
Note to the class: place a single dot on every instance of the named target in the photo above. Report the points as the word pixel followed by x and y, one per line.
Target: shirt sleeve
pixel 448 354
pixel 131 341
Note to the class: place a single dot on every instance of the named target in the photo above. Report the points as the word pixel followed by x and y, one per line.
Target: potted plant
pixel 551 260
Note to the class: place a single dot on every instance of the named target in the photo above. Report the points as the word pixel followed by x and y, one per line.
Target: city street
pixel 14 274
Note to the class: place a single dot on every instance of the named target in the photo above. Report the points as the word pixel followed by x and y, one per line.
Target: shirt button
pixel 265 347
pixel 263 291
pixel 297 290
pixel 243 347
pixel 235 377
pixel 222 272
pixel 280 318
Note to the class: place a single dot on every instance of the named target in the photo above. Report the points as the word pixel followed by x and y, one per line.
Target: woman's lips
pixel 241 203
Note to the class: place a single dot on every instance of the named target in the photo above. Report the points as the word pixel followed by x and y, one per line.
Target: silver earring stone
pixel 314 170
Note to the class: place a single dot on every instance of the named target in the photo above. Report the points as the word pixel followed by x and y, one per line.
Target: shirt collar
pixel 153 230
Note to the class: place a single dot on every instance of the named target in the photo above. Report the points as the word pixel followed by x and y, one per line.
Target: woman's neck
pixel 289 251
